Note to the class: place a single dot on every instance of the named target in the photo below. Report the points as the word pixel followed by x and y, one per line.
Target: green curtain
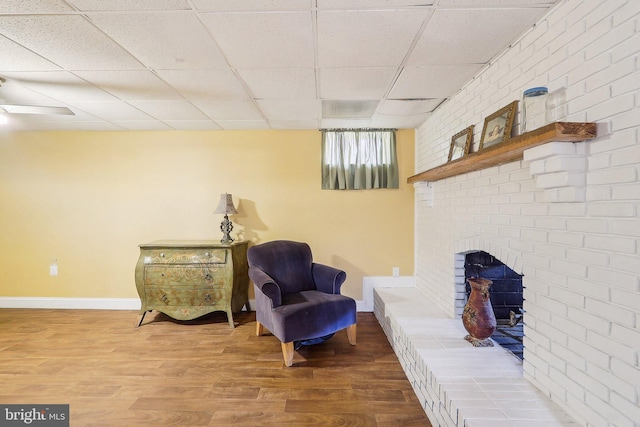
pixel 359 159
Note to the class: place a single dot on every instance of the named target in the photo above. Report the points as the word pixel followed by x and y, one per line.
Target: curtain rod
pixel 356 129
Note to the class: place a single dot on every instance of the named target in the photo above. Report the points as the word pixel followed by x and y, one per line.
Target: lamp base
pixel 226 226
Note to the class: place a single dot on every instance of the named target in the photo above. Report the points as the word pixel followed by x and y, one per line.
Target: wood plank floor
pixel 199 373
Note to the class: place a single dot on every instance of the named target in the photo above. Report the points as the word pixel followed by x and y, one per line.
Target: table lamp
pixel 226 207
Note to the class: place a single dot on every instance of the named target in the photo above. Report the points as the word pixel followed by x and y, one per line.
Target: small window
pixel 359 159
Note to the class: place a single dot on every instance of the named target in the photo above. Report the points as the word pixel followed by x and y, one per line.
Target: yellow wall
pixel 89 198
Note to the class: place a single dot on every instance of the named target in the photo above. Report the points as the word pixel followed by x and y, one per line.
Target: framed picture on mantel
pixel 497 126
pixel 461 143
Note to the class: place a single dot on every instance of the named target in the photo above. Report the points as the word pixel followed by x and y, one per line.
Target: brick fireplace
pixel 565 217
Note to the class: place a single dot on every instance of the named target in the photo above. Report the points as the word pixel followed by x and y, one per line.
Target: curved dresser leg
pixel 140 318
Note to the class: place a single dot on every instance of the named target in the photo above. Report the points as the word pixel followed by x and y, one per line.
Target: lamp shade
pixel 226 205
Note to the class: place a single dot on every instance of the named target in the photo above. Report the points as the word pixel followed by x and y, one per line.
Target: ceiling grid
pixel 254 64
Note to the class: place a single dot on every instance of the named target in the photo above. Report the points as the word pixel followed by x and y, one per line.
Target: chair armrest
pixel 327 279
pixel 267 285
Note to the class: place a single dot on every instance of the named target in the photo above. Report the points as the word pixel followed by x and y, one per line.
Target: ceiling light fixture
pixel 36 109
pixel 33 109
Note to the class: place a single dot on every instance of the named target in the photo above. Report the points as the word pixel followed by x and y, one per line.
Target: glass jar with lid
pixel 534 108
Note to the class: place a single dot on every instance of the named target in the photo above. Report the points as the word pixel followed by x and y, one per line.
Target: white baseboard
pixel 75 303
pixel 71 303
pixel 364 305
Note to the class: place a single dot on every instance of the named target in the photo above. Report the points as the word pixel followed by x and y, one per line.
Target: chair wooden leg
pixel 259 328
pixel 287 353
pixel 351 334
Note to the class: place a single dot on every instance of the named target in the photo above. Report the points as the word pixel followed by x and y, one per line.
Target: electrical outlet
pixel 53 268
pixel 396 271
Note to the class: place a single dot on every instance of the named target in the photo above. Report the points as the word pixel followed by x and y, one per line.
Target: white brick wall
pixel 567 216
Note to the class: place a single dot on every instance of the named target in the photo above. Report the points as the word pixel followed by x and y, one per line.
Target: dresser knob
pixel 207 254
pixel 164 298
pixel 161 254
pixel 207 297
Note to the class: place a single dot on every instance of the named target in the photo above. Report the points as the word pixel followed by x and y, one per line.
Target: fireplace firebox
pixel 506 298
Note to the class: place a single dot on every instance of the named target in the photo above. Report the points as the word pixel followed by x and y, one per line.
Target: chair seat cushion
pixel 312 314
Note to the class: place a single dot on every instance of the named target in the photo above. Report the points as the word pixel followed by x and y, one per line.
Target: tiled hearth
pixel 458 384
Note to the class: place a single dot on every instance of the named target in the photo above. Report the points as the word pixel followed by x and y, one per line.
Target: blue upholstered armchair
pixel 296 298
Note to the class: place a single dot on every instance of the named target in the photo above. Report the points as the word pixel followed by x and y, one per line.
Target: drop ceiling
pixel 247 64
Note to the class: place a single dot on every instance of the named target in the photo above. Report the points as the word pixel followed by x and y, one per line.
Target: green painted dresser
pixel 186 279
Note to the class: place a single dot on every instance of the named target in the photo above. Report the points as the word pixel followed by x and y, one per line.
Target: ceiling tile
pixel 131 85
pixel 372 4
pixel 34 6
pixel 59 85
pixel 264 40
pixel 202 84
pixel 465 36
pixel 102 5
pixel 16 58
pixel 242 124
pixel 12 92
pixel 399 122
pixel 252 5
pixel 36 124
pixel 112 111
pixel 170 110
pixel 401 107
pixel 367 38
pixel 281 83
pixel 193 124
pixel 355 83
pixel 294 124
pixel 230 110
pixel 162 40
pixel 493 3
pixel 433 81
pixel 76 45
pixel 143 125
pixel 290 110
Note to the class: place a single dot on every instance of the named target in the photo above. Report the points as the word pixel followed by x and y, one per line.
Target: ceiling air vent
pixel 348 109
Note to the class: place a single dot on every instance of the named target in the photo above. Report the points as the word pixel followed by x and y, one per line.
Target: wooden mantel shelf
pixel 510 150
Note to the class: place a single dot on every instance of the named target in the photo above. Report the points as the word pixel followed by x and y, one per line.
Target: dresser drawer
pixel 184 275
pixel 185 296
pixel 185 256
